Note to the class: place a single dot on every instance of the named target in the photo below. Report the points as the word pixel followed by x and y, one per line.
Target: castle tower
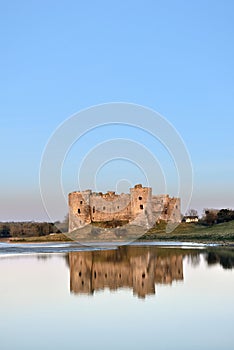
pixel 79 209
pixel 141 207
pixel 166 208
pixel 174 213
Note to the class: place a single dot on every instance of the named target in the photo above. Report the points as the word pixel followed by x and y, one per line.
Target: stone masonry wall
pixel 110 206
pixel 139 207
pixel 166 208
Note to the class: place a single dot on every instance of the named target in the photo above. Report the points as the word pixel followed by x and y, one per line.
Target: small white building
pixel 190 218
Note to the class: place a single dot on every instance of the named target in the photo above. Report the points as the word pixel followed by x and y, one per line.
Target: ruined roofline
pixel 87 191
pixel 113 193
pixel 109 192
pixel 139 186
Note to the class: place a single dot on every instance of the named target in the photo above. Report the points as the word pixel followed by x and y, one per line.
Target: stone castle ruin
pixel 139 207
pixel 138 270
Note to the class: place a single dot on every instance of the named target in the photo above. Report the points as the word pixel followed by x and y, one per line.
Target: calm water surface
pixel 134 297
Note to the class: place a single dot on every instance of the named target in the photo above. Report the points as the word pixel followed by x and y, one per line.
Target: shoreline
pixel 221 234
pixel 140 242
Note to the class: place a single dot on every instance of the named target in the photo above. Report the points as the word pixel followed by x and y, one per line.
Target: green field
pixel 218 233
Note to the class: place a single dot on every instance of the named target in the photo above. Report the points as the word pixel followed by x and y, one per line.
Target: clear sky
pixel 58 57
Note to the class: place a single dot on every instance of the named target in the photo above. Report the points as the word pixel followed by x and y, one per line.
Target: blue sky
pixel 59 57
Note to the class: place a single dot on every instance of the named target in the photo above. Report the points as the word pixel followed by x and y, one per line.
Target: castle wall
pixel 174 213
pixel 159 206
pixel 109 206
pixel 139 207
pixel 79 209
pixel 141 198
pixel 166 208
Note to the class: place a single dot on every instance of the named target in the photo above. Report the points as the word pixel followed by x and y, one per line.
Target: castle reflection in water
pixel 138 268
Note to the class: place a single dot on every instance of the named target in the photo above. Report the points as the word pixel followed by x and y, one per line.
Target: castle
pixel 128 267
pixel 139 207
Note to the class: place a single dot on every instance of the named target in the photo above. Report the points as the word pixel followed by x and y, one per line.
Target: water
pixel 65 296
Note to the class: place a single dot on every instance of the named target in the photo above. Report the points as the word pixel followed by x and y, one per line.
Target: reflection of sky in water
pixel 38 311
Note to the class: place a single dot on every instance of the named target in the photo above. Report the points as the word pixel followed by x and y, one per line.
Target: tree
pixel 63 226
pixel 5 231
pixel 225 215
pixel 192 212
pixel 210 216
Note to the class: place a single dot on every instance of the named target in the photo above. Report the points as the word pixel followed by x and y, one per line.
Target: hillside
pixel 219 233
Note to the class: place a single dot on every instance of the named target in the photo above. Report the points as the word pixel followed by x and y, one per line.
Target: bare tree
pixel 66 219
pixel 210 216
pixel 192 212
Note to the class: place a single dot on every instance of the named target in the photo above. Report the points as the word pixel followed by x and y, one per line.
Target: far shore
pixel 222 234
pixel 29 240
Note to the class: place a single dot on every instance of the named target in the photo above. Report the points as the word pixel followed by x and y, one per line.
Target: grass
pixel 219 233
pixel 57 237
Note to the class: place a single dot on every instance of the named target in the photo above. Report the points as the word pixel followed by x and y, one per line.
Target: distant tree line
pixel 29 229
pixel 214 216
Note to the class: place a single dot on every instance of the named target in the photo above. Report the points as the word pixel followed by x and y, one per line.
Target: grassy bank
pixel 220 233
pixel 58 237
